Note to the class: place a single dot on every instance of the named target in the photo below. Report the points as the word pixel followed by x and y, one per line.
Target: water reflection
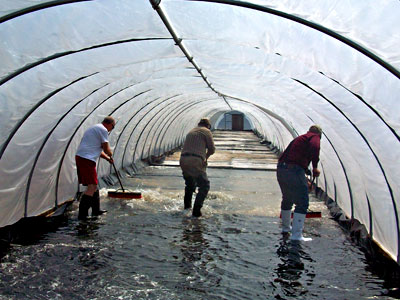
pixel 88 228
pixel 149 249
pixel 292 268
pixel 193 243
pixel 194 262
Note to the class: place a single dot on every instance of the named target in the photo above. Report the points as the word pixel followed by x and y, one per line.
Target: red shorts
pixel 86 171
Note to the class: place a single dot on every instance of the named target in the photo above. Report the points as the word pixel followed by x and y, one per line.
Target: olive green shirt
pixel 199 141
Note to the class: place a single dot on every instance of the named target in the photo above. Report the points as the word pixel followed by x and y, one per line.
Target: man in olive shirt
pixel 198 147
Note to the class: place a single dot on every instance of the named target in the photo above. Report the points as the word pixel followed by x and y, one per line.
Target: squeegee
pixel 309 214
pixel 122 193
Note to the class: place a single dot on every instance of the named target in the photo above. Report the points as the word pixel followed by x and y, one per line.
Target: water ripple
pixel 151 249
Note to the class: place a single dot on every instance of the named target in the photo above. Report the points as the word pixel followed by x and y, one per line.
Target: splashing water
pixel 151 248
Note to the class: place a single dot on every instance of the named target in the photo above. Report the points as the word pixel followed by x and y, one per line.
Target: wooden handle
pixel 119 179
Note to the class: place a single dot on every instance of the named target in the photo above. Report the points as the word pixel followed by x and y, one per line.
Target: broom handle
pixel 116 172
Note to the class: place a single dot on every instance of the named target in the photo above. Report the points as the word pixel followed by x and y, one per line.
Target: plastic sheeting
pixel 284 64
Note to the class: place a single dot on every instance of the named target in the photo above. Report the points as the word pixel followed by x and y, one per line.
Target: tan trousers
pixel 194 173
pixel 192 166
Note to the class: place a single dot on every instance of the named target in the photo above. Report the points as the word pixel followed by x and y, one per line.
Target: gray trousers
pixel 293 184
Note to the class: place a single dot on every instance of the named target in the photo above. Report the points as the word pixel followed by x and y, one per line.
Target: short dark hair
pixel 108 120
pixel 316 129
pixel 205 122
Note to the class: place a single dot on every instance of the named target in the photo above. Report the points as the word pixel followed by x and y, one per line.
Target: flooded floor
pixel 151 248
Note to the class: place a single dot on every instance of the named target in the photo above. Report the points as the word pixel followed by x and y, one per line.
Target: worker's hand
pixel 110 160
pixel 315 172
pixel 309 185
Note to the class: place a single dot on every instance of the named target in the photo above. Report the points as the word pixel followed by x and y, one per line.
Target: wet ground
pixel 150 248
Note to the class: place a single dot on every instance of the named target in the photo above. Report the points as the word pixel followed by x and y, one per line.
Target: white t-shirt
pixel 90 146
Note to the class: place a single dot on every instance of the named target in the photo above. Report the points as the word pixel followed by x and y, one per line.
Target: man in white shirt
pixel 94 144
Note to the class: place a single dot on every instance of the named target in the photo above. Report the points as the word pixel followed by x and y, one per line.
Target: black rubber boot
pixel 188 199
pixel 198 202
pixel 84 206
pixel 196 211
pixel 96 211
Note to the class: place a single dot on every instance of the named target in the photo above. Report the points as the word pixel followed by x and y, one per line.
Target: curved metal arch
pixel 313 25
pixel 210 112
pixel 137 123
pixel 169 120
pixel 168 114
pixel 343 169
pixel 178 41
pixel 273 123
pixel 182 135
pixel 58 55
pixel 127 124
pixel 325 181
pixel 166 107
pixel 344 87
pixel 32 110
pixel 133 130
pixel 182 110
pixel 345 174
pixel 37 7
pixel 270 114
pixel 371 233
pixel 335 189
pixel 175 140
pixel 251 122
pixel 259 129
pixel 28 185
pixel 375 156
pixel 26 116
pixel 217 116
pixel 126 101
pixel 256 122
pixel 368 105
pixel 251 119
pixel 356 96
pixel 73 135
pixel 52 130
pixel 147 124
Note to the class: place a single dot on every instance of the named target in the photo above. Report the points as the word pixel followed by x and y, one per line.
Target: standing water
pixel 151 248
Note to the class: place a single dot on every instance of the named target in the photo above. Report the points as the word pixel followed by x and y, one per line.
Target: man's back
pixel 197 141
pixel 90 146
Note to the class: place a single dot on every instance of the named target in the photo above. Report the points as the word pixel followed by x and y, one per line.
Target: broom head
pixel 310 214
pixel 124 194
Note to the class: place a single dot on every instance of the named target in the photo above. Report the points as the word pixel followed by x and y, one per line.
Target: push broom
pixel 123 194
pixel 313 214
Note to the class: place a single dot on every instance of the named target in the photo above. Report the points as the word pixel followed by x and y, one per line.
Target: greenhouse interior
pixel 159 66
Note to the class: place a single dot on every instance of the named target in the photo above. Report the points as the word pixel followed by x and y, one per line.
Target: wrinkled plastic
pixel 65 67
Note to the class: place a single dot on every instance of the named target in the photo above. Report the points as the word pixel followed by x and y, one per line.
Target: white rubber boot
pixel 286 220
pixel 297 229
